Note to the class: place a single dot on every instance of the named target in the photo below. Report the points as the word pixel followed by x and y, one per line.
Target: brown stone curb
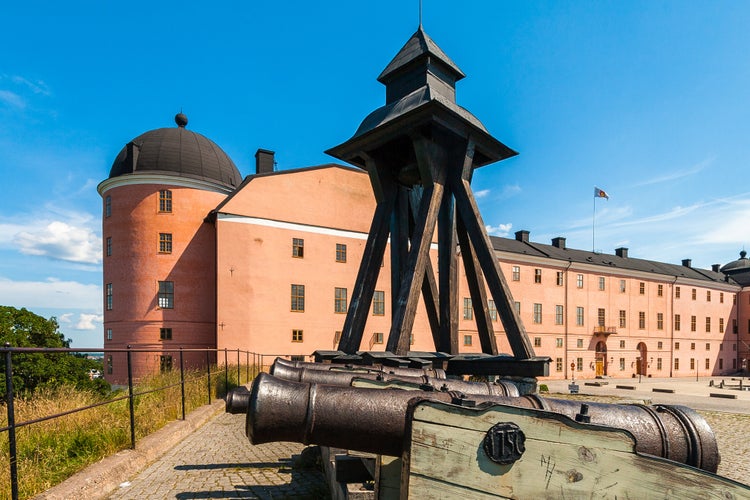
pixel 98 480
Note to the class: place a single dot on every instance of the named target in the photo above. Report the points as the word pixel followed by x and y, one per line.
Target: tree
pixel 23 328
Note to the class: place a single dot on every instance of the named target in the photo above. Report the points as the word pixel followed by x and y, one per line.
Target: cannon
pixel 392 370
pixel 374 421
pixel 310 374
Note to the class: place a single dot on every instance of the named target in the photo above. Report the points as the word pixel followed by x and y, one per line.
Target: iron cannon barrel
pixel 237 400
pixel 373 420
pixel 343 378
pixel 394 370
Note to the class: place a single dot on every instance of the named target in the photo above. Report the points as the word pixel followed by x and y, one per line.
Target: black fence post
pixel 247 368
pixel 11 423
pixel 226 372
pixel 131 398
pixel 208 368
pixel 239 382
pixel 182 382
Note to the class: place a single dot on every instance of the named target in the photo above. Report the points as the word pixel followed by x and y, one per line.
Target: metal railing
pixel 251 370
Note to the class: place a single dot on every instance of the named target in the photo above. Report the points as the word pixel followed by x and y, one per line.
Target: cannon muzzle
pixel 237 400
pixel 373 420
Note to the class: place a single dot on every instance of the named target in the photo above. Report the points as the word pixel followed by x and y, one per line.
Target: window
pixel 537 275
pixel 601 283
pixel 492 309
pixel 660 321
pixel 721 347
pixel 560 278
pixel 339 302
pixel 340 252
pixel 693 293
pixel 107 206
pixel 676 346
pixel 558 342
pixel 378 303
pixel 298 298
pixel 708 346
pixel 676 363
pixel 109 246
pixel 708 295
pixel 165 201
pixel 721 297
pixel 642 288
pixel 721 325
pixel 579 280
pixel 166 294
pixel 623 318
pixel 537 341
pixel 378 338
pixel 660 290
pixel 659 345
pixel 468 309
pixel 721 363
pixel 336 337
pixel 579 343
pixel 641 320
pixel 411 339
pixel 165 242
pixel 579 316
pixel 622 344
pixel 622 286
pixel 622 364
pixel 538 313
pixel 558 315
pixel 109 334
pixel 298 336
pixel 297 357
pixel 165 334
pixel 658 363
pixel 109 297
pixel 467 339
pixel 558 364
pixel 517 306
pixel 601 316
pixel 516 273
pixel 298 248
pixel 708 324
pixel 677 292
pixel 708 364
pixel 693 323
pixel 677 322
pixel 734 326
pixel 692 346
pixel 165 363
pixel 109 364
pixel 692 363
pixel 579 364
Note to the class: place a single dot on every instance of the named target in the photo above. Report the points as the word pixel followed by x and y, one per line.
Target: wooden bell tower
pixel 420 151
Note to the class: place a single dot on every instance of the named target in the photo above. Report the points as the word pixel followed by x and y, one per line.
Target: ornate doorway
pixel 601 359
pixel 641 366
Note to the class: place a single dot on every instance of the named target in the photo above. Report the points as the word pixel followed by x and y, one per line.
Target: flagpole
pixel 593 229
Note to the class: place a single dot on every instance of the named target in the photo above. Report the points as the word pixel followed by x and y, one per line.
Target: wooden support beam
pixel 399 242
pixel 467 210
pixel 477 291
pixel 369 268
pixel 429 155
pixel 448 277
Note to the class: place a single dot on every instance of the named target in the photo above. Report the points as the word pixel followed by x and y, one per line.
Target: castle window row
pixel 298 250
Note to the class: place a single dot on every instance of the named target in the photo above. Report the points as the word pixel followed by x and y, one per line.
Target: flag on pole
pixel 600 193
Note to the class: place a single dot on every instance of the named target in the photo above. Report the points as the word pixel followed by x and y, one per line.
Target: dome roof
pixel 741 264
pixel 177 151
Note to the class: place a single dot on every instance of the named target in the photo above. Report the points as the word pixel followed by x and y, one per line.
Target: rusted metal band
pixel 666 451
pixel 693 443
pixel 310 414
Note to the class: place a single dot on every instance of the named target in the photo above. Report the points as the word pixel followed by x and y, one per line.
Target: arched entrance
pixel 601 359
pixel 641 365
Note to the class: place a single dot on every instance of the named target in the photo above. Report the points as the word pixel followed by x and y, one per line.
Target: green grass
pixel 51 451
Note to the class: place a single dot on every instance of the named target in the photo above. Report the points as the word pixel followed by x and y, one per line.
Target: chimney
pixel 558 242
pixel 621 252
pixel 522 235
pixel 687 262
pixel 264 161
pixel 715 267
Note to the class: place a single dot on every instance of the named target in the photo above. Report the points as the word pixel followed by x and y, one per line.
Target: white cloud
pixel 510 191
pixel 52 293
pixel 38 87
pixel 89 321
pixel 482 193
pixel 65 318
pixel 499 230
pixel 60 240
pixel 12 99
pixel 678 174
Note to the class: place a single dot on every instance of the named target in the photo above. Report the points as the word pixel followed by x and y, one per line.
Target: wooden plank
pixel 427 152
pixel 477 291
pixel 388 478
pixel 399 243
pixel 369 267
pixel 448 277
pixel 467 210
pixel 562 459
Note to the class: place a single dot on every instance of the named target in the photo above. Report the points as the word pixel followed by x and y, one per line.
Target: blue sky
pixel 646 99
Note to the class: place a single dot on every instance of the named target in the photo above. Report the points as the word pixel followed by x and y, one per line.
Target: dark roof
pixel 611 262
pixel 177 151
pixel 739 265
pixel 419 45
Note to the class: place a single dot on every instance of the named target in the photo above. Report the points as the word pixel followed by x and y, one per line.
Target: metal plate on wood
pixel 504 443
